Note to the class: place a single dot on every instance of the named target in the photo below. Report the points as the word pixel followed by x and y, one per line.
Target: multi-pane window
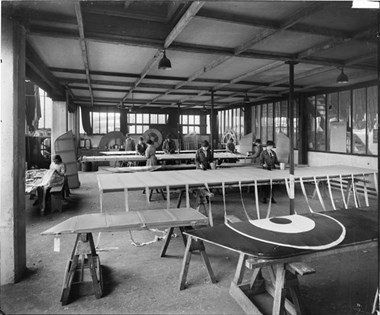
pixel 105 122
pixel 271 119
pixel 231 119
pixel 190 124
pixel 139 123
pixel 345 121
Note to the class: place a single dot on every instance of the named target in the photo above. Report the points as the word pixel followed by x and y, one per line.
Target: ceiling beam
pixel 83 46
pixel 152 77
pixel 183 21
pixel 290 21
pixel 329 44
pixel 255 71
pixel 129 101
pixel 266 33
pixel 211 14
pixel 71 81
pixel 201 49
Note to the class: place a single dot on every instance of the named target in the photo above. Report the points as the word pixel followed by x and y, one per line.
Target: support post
pixel 291 134
pixel 59 122
pixel 179 128
pixel 247 119
pixel 212 125
pixel 12 152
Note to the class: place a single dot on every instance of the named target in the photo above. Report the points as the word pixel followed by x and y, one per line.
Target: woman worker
pixel 150 154
pixel 54 177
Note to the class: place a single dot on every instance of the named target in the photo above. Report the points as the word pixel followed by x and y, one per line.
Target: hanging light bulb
pixel 246 99
pixel 164 63
pixel 342 77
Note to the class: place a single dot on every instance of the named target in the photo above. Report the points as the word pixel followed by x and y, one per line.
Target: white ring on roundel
pixel 154 135
pixel 289 224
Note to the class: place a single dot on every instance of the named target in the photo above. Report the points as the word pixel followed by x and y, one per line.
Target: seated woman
pixel 150 154
pixel 54 177
pixel 203 156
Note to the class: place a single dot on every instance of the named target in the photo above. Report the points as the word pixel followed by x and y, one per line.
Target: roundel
pixel 314 231
pixel 154 135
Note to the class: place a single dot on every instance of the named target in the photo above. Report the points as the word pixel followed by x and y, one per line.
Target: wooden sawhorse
pixel 83 257
pixel 282 286
pixel 283 278
pixel 84 254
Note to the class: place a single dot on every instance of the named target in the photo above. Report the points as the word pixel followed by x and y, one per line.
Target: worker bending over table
pixel 203 157
pixel 169 147
pixel 268 160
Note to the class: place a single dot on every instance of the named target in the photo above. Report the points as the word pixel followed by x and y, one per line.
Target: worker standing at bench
pixel 203 156
pixel 54 177
pixel 150 154
pixel 140 150
pixel 269 160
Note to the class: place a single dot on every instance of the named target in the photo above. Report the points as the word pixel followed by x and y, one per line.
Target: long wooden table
pixel 157 152
pixel 362 228
pixel 123 182
pixel 163 157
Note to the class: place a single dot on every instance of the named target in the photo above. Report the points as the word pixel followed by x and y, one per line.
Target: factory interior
pixel 189 157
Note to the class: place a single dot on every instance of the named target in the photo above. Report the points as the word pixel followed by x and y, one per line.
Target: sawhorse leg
pixel 168 238
pixel 240 291
pixel 83 256
pixel 192 245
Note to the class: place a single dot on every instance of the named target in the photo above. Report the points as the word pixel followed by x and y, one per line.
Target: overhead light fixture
pixel 164 63
pixel 342 77
pixel 204 109
pixel 246 99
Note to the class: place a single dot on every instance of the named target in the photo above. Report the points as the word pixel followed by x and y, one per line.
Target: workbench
pixel 251 176
pixel 84 255
pixel 281 262
pixel 162 157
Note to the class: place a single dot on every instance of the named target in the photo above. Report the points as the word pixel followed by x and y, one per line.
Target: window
pixel 46 104
pixel 102 123
pixel 208 124
pixel 284 117
pixel 95 122
pixel 347 121
pixel 231 119
pixel 372 120
pixel 345 115
pixel 264 119
pixel 332 116
pixel 270 122
pixel 190 124
pixel 359 121
pixel 320 128
pixel 310 103
pixel 105 122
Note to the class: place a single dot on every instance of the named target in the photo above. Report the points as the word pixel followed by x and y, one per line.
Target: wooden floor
pixel 137 281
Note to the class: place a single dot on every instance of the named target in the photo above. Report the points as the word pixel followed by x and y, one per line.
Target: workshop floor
pixel 137 281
